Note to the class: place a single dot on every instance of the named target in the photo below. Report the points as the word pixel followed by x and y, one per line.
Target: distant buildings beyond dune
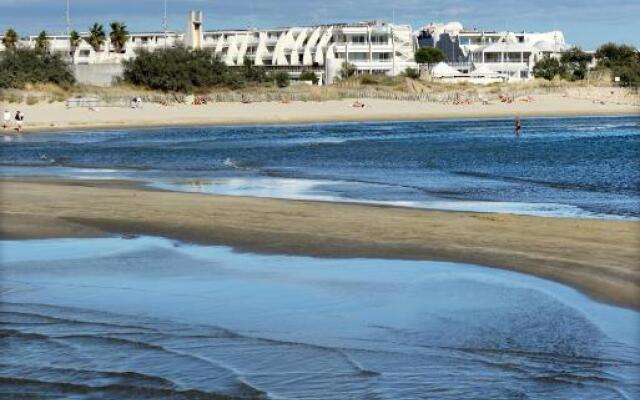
pixel 511 55
pixel 370 47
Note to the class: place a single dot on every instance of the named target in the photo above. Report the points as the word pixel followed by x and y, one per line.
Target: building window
pixel 358 39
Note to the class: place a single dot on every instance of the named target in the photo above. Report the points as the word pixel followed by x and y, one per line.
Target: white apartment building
pixel 371 47
pixel 509 54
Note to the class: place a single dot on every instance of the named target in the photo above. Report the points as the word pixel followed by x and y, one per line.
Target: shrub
pixel 176 69
pixel 368 79
pixel 309 76
pixel 23 66
pixel 412 73
pixel 281 79
pixel 347 71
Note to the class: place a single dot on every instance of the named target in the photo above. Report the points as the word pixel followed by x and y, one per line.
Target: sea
pixel 154 318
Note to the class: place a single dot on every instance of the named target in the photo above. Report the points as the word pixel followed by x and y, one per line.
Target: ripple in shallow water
pixel 143 318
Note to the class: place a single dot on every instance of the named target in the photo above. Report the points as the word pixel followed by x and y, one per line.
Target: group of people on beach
pixel 18 117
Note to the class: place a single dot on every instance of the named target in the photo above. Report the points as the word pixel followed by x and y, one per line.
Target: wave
pixel 36 387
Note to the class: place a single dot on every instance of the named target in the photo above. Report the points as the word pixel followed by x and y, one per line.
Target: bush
pixel 281 79
pixel 309 76
pixel 368 79
pixel 412 73
pixel 176 69
pixel 23 66
pixel 347 70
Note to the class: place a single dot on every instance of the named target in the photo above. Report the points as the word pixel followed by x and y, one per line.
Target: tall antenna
pixel 68 15
pixel 165 24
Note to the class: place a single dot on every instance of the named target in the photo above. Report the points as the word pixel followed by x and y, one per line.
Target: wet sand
pixel 596 256
pixel 55 116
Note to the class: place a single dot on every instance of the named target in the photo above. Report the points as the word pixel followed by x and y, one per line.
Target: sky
pixel 586 23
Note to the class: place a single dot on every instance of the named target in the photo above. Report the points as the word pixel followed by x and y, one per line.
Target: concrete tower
pixel 193 36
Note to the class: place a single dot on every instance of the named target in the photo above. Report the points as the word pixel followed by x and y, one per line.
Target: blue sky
pixel 586 23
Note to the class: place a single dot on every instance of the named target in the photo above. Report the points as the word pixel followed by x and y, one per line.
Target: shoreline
pixel 597 257
pixel 56 117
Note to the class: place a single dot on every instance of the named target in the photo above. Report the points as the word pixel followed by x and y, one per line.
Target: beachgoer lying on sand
pixel 358 104
pixel 6 119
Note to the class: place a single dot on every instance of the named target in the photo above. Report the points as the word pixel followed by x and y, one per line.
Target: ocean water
pixel 150 318
pixel 576 167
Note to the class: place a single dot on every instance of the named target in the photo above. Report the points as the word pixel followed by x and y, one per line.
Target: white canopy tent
pixel 443 70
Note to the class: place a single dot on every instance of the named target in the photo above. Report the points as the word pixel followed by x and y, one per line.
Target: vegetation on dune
pixel 549 68
pixel 309 76
pixel 24 66
pixel 622 60
pixel 179 69
pixel 281 79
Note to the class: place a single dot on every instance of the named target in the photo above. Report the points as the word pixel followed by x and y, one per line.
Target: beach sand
pixel 55 116
pixel 599 257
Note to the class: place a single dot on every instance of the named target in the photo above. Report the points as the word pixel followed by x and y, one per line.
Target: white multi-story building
pixel 370 47
pixel 509 54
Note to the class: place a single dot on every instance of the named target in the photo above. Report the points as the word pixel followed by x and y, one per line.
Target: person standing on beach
pixel 517 126
pixel 19 119
pixel 6 119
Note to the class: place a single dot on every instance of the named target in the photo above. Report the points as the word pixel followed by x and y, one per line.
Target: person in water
pixel 518 126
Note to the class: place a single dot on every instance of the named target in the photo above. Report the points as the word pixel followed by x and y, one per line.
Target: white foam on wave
pixel 316 190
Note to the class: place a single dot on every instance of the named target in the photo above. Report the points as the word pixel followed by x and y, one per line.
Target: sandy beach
pixel 55 116
pixel 596 256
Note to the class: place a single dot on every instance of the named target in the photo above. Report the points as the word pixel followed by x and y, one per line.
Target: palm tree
pixel 74 42
pixel 119 35
pixel 42 43
pixel 96 37
pixel 10 39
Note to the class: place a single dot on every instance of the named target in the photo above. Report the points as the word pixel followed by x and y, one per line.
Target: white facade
pixel 371 47
pixel 510 54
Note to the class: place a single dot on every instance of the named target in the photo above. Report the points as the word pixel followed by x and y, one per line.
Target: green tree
pixel 622 60
pixel 576 62
pixel 610 54
pixel 309 76
pixel 74 42
pixel 97 37
pixel 10 39
pixel 548 68
pixel 281 79
pixel 23 66
pixel 429 56
pixel 42 42
pixel 347 71
pixel 119 36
